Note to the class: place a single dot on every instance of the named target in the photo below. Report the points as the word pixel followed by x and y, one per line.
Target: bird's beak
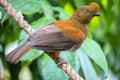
pixel 96 14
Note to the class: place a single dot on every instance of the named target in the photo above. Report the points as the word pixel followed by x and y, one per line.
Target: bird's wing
pixel 50 38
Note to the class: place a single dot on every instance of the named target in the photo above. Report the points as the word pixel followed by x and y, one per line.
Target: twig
pixel 16 16
pixel 27 28
pixel 71 72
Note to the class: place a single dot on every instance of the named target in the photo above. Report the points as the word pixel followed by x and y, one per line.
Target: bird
pixel 60 35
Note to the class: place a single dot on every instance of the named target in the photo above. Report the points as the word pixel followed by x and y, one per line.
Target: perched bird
pixel 58 36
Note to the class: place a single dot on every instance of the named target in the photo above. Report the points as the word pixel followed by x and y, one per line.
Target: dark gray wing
pixel 50 38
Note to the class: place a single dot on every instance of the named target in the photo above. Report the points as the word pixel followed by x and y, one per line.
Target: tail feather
pixel 16 54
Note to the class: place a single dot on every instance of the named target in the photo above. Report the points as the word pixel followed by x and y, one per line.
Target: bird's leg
pixel 56 57
pixel 61 61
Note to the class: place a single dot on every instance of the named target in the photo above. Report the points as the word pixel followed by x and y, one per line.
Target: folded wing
pixel 50 38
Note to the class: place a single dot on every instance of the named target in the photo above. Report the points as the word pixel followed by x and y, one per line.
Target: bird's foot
pixel 61 61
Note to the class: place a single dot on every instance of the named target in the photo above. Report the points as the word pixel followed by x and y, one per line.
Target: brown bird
pixel 58 36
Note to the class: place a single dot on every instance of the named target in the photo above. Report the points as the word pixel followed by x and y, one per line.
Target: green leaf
pixel 31 55
pixel 93 50
pixel 62 13
pixel 86 65
pixel 3 16
pixel 26 6
pixel 68 8
pixel 78 3
pixel 71 58
pixel 42 22
pixel 51 71
pixel 47 8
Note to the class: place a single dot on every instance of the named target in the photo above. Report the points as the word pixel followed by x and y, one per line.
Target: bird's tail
pixel 16 54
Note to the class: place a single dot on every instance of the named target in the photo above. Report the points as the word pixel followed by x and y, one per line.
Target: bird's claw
pixel 61 61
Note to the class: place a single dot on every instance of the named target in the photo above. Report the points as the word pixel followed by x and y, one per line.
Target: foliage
pixel 89 60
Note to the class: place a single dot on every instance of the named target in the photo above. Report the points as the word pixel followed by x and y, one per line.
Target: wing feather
pixel 50 38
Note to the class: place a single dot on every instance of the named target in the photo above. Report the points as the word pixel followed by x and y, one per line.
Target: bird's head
pixel 84 14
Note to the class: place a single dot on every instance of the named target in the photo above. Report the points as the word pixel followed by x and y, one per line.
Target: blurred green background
pixel 103 42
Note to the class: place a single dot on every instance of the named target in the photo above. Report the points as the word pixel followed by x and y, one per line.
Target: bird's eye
pixel 85 11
